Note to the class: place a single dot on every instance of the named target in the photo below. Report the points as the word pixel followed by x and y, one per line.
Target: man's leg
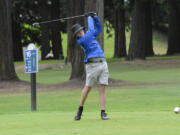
pixel 84 95
pixel 102 98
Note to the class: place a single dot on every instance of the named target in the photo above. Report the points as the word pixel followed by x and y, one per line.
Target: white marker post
pixel 31 67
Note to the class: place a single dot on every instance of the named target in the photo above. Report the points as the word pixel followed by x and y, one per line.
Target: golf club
pixel 66 18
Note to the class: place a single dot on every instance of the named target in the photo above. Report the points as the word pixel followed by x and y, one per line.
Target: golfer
pixel 95 62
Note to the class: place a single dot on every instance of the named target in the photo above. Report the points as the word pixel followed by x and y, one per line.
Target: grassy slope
pixel 138 110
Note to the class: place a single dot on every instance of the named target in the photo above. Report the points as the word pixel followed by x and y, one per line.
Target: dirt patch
pixel 71 85
pixel 22 86
pixel 15 86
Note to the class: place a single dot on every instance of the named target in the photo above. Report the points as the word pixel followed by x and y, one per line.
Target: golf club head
pixel 35 24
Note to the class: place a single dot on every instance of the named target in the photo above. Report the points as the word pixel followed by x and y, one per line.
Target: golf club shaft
pixel 66 18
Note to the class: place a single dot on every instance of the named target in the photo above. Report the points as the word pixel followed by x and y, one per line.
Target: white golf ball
pixel 177 109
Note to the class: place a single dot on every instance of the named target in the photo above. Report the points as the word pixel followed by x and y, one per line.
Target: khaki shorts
pixel 97 73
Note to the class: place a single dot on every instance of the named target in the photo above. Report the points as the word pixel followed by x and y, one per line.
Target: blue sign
pixel 31 61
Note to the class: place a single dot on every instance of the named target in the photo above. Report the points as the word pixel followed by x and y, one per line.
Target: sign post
pixel 31 67
pixel 33 91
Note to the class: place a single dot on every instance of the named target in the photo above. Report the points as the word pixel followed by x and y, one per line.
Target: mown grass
pixel 134 110
pixel 139 109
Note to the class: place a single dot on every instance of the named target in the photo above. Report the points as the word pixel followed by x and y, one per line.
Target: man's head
pixel 77 30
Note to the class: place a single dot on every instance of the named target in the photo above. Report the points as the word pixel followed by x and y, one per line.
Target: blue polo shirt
pixel 89 43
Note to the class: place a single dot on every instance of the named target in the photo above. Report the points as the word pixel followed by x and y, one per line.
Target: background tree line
pixel 138 16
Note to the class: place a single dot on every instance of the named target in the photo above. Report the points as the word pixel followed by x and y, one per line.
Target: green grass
pixel 145 73
pixel 159 43
pixel 136 111
pixel 49 76
pixel 145 109
pixel 41 62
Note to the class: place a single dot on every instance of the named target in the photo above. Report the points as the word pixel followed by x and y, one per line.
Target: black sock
pixel 102 111
pixel 80 108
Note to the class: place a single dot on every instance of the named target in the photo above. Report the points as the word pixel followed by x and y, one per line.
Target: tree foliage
pixel 27 12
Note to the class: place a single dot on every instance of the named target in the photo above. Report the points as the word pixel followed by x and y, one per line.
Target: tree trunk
pixel 55 31
pixel 174 28
pixel 120 37
pixel 149 43
pixel 141 34
pixel 98 7
pixel 45 39
pixel 7 70
pixel 76 54
pixel 57 43
pixel 17 46
pixel 45 29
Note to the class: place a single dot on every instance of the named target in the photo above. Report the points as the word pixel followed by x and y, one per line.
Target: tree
pixel 44 11
pixel 50 32
pixel 16 32
pixel 23 15
pixel 7 70
pixel 119 27
pixel 55 31
pixel 149 44
pixel 141 32
pixel 17 46
pixel 75 53
pixel 117 16
pixel 174 27
pixel 160 15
